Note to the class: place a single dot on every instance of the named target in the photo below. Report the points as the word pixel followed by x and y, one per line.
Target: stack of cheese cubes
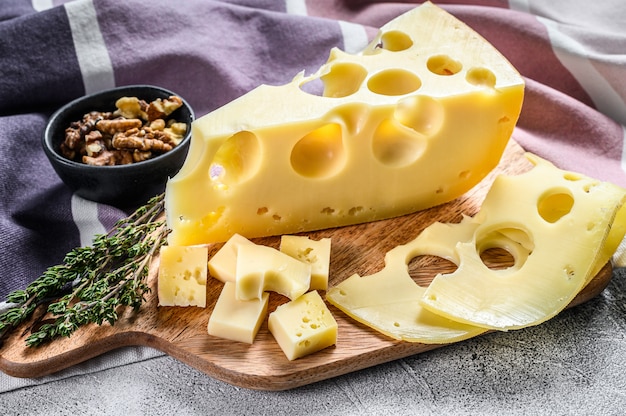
pixel 249 271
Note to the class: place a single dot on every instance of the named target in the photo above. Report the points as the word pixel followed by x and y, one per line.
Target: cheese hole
pixel 497 258
pixel 313 86
pixel 443 65
pixel 262 211
pixel 396 146
pixel 554 205
pixel 569 272
pixel 320 153
pixel 343 79
pixel 589 186
pixel 464 175
pixel 396 324
pixel 237 159
pixel 481 77
pixel 505 248
pixel 420 113
pixel 424 268
pixel 571 176
pixel 355 210
pixel 394 82
pixel 395 41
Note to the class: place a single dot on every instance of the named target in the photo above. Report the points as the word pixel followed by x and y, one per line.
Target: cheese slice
pixel 565 227
pixel 237 320
pixel 223 265
pixel 303 326
pixel 415 120
pixel 262 268
pixel 314 252
pixel 182 276
pixel 388 301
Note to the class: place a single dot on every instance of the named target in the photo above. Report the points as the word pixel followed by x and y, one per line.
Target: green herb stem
pixel 92 282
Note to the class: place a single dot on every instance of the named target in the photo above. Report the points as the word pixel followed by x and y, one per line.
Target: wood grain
pixel 182 333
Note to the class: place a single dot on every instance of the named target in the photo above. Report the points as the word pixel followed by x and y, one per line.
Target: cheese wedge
pixel 415 120
pixel 561 228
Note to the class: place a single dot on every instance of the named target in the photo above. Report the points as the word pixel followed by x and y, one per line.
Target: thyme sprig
pixel 92 282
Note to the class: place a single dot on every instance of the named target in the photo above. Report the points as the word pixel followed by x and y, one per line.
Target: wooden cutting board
pixel 182 332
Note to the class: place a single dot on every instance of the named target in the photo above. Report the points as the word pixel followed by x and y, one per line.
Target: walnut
pixel 141 139
pixel 158 124
pixel 134 132
pixel 161 108
pixel 118 125
pixel 131 107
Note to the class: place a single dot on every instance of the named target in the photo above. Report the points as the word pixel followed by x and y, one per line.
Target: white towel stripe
pixel 354 37
pixel 575 57
pixel 93 57
pixel 519 5
pixel 296 7
pixel 85 216
pixel 41 5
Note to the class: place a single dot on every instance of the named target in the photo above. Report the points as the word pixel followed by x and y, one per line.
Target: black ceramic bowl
pixel 121 185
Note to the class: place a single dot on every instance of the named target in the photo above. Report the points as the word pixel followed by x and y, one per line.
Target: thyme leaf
pixel 93 282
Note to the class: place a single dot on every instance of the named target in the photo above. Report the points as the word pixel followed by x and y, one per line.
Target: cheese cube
pixel 417 119
pixel 262 268
pixel 182 276
pixel 237 320
pixel 315 253
pixel 303 326
pixel 223 264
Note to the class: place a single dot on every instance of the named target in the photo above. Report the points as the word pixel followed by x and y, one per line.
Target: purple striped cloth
pixel 211 52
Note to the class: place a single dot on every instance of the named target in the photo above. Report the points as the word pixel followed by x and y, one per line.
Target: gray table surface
pixel 571 365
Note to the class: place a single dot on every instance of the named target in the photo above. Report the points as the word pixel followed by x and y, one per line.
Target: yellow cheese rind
pixel 388 301
pixel 262 268
pixel 314 252
pixel 223 264
pixel 564 222
pixel 279 160
pixel 182 276
pixel 303 326
pixel 237 320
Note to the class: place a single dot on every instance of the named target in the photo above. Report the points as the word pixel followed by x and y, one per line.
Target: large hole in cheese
pixel 394 82
pixel 505 247
pixel 343 79
pixel 237 159
pixel 421 113
pixel 481 77
pixel 555 204
pixel 443 65
pixel 320 153
pixel 424 268
pixel 395 41
pixel 395 145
